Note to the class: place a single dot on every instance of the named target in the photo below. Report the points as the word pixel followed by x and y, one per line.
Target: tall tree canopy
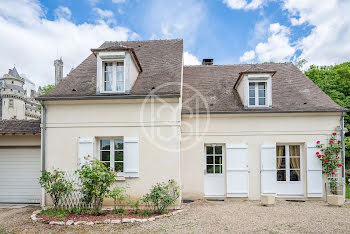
pixel 335 82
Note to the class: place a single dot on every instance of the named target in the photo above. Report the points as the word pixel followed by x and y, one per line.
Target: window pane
pixel 261 101
pixel 251 93
pixel 118 156
pixel 252 86
pixel 118 144
pixel 281 150
pixel 210 160
pixel 107 164
pixel 261 93
pixel 294 150
pixel 108 86
pixel 218 169
pixel 120 86
pixel 119 167
pixel 281 175
pixel 105 144
pixel 108 67
pixel 218 149
pixel 210 169
pixel 294 162
pixel 280 163
pixel 252 101
pixel 120 76
pixel 261 85
pixel 105 156
pixel 209 150
pixel 218 159
pixel 120 66
pixel 294 175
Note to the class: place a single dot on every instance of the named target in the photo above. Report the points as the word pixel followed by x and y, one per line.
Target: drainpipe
pixel 342 149
pixel 43 137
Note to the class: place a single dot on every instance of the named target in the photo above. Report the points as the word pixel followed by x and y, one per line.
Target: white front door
pixel 289 170
pixel 214 178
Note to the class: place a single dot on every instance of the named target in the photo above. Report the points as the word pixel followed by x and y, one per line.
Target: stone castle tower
pixel 15 103
pixel 58 70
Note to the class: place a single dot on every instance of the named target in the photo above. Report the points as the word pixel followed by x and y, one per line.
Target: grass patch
pixel 145 213
pixel 119 211
pixel 347 191
pixel 55 213
pixel 3 231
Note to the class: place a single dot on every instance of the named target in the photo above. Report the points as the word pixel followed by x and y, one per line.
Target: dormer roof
pixel 254 69
pixel 118 47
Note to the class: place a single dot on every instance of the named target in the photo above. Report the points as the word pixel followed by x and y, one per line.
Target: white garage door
pixel 19 174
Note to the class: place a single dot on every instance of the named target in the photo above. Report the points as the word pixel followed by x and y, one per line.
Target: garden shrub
pixel 96 180
pixel 134 205
pixel 55 185
pixel 161 196
pixel 59 213
pixel 118 195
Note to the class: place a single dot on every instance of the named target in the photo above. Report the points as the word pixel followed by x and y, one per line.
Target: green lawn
pixel 347 193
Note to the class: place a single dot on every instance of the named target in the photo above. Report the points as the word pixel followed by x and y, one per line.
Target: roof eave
pixel 252 72
pixel 105 97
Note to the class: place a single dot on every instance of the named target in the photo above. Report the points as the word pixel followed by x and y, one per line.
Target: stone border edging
pixel 107 221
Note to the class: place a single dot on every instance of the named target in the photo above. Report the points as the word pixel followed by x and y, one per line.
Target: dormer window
pixel 257 93
pixel 117 69
pixel 114 78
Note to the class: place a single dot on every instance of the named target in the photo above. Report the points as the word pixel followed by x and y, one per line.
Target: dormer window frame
pixel 256 79
pixel 114 80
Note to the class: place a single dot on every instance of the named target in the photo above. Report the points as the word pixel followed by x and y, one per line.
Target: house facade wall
pixel 254 130
pixel 155 124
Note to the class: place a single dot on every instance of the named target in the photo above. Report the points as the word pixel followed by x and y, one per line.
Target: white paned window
pixel 288 163
pixel 257 94
pixel 112 153
pixel 113 76
pixel 214 159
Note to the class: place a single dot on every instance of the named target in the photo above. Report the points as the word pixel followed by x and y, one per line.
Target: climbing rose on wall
pixel 330 159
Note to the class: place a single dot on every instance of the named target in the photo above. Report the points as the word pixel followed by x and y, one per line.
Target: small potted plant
pixel 331 161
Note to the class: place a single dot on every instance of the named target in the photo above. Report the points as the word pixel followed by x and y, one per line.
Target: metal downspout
pixel 342 151
pixel 43 144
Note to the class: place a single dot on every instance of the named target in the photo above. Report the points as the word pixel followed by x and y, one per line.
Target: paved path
pixel 231 216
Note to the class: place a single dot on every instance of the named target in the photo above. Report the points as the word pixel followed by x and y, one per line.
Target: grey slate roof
pixel 161 62
pixel 292 91
pixel 20 127
pixel 13 72
pixel 15 87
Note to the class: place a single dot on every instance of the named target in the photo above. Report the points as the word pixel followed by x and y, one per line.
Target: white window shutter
pixel 314 172
pixel 237 170
pixel 131 156
pixel 268 168
pixel 86 148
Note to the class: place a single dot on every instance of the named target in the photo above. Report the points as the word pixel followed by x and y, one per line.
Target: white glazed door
pixel 289 170
pixel 214 177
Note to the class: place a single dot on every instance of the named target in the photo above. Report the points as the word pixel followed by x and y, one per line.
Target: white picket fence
pixel 74 199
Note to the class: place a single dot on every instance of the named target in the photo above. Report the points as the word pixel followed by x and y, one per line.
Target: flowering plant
pixel 162 195
pixel 330 159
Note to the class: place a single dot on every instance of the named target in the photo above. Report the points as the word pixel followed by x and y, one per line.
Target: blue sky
pixel 34 32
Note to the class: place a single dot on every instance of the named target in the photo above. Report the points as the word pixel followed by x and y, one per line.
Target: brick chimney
pixel 208 61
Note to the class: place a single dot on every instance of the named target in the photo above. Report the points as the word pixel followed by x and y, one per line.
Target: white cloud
pixel 277 48
pixel 94 2
pixel 244 4
pixel 175 19
pixel 328 42
pixel 63 12
pixel 247 56
pixel 31 41
pixel 103 13
pixel 118 1
pixel 190 59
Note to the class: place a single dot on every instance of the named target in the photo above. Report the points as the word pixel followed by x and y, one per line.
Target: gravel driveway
pixel 231 216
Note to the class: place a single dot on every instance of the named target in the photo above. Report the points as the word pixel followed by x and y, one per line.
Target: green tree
pixel 47 88
pixel 335 82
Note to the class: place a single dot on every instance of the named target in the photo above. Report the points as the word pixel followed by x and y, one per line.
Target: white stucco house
pixel 219 130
